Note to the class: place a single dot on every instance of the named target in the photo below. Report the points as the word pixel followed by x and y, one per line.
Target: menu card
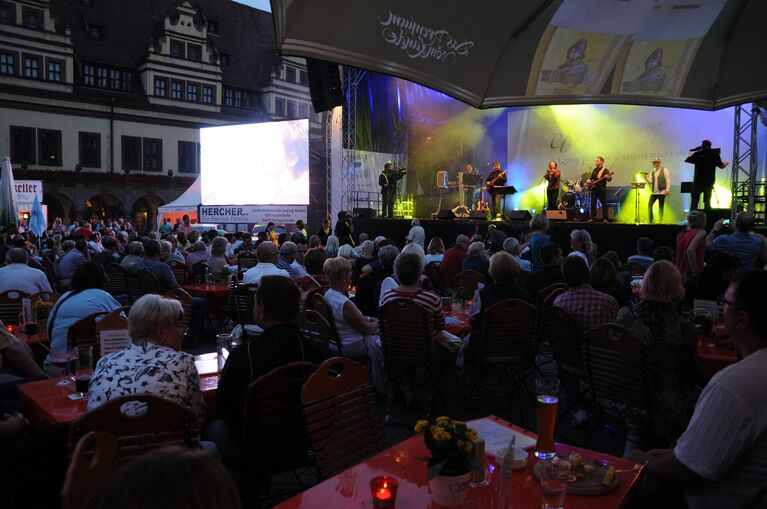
pixel 113 340
pixel 497 436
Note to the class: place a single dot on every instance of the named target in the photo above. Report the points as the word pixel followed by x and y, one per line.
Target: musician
pixel 496 178
pixel 660 185
pixel 553 176
pixel 388 182
pixel 706 161
pixel 600 176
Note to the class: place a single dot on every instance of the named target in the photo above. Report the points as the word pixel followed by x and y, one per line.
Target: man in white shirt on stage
pixel 660 185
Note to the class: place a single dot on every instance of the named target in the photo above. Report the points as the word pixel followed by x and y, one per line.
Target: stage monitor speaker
pixel 364 213
pixel 557 215
pixel 478 214
pixel 519 215
pixel 686 188
pixel 612 212
pixel 324 85
pixel 445 214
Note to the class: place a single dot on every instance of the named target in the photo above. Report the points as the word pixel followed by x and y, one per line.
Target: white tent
pixel 185 204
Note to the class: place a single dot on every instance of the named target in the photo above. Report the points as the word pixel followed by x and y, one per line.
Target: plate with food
pixel 583 476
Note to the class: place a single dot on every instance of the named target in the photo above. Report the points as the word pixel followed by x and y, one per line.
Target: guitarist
pixel 496 178
pixel 600 176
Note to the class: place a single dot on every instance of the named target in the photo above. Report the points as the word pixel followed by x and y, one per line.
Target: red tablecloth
pixel 712 358
pixel 458 328
pixel 351 487
pixel 39 343
pixel 216 293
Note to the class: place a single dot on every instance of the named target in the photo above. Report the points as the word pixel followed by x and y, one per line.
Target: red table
pixel 459 328
pixel 39 343
pixel 215 293
pixel 351 487
pixel 714 358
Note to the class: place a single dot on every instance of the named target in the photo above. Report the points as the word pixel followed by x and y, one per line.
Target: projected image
pixel 256 164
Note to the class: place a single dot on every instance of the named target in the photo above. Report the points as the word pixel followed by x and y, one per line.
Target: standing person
pixel 691 246
pixel 301 228
pixel 344 229
pixel 388 182
pixel 706 161
pixel 600 176
pixel 553 176
pixel 325 231
pixel 496 178
pixel 271 235
pixel 185 226
pixel 166 228
pixel 660 183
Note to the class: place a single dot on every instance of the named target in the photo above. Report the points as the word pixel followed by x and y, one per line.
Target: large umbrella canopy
pixel 9 210
pixel 690 53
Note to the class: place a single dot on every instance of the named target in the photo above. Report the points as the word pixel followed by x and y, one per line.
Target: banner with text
pixel 256 214
pixel 26 191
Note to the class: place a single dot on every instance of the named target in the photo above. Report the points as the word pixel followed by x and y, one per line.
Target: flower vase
pixel 450 490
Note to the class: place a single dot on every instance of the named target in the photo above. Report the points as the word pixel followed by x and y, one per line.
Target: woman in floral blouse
pixel 152 364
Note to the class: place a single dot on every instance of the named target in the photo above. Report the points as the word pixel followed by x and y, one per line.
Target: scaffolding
pixel 748 193
pixel 328 117
pixel 349 163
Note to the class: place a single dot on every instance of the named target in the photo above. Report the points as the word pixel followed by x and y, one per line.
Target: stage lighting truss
pixel 748 192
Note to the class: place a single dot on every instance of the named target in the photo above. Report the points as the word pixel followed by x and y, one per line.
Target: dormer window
pixel 7 13
pixel 193 52
pixel 212 27
pixel 95 33
pixel 176 49
pixel 33 19
pixel 226 60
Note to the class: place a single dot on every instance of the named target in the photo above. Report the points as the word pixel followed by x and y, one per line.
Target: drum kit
pixel 575 195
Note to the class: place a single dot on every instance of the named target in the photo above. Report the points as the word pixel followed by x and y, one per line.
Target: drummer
pixel 553 176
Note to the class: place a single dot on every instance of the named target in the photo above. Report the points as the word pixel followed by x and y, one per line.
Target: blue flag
pixel 36 220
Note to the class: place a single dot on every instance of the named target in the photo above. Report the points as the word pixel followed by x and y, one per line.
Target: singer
pixel 553 176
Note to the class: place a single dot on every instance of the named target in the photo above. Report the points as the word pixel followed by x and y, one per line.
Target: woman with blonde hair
pixel 435 251
pixel 671 345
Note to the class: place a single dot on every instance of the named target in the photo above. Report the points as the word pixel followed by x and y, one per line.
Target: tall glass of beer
pixel 547 395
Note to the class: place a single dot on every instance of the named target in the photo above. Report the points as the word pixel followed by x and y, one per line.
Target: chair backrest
pixel 47 297
pixel 315 328
pixel 564 336
pixel 10 306
pixel 274 437
pixel 200 272
pixel 148 281
pixel 616 366
pixel 316 302
pixel 246 260
pixel 341 415
pixel 133 284
pixel 140 423
pixel 633 268
pixel 542 296
pixel 82 333
pixel 242 302
pixel 306 284
pixel 179 271
pixel 94 458
pixel 116 280
pixel 406 331
pixel 116 320
pixel 185 299
pixel 432 272
pixel 507 332
pixel 466 283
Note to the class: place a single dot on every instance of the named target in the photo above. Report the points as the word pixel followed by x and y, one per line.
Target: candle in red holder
pixel 384 491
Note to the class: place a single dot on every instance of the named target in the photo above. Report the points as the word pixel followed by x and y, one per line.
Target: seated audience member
pixel 366 256
pixel 197 253
pixel 719 461
pixel 152 363
pixel 663 253
pixel 108 252
pixel 691 245
pixel 302 246
pixel 672 355
pixel 314 260
pixel 357 334
pixel 368 298
pixel 603 278
pixel 16 362
pixel 288 261
pixel 539 224
pixel 717 275
pixel 331 246
pixel 217 263
pixel 453 259
pixel 747 246
pixel 315 242
pixel 644 252
pixel 346 251
pixel 168 254
pixel 551 271
pixel 86 297
pixel 362 237
pixel 17 275
pixel 152 263
pixel 135 254
pixel 582 246
pixel 477 259
pixel 280 343
pixel 495 239
pixel 267 255
pixel 435 251
pixel 416 235
pixel 590 307
pixel 391 282
pixel 511 246
pixel 73 259
pixel 246 246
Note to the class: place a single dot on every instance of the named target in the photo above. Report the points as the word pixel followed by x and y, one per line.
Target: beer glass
pixel 547 396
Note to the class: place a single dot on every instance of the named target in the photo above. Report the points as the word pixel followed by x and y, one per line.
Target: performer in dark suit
pixel 388 182
pixel 599 187
pixel 553 175
pixel 706 161
pixel 496 178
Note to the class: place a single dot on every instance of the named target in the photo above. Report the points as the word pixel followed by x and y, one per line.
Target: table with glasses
pixel 714 357
pixel 49 406
pixel 350 488
pixel 215 293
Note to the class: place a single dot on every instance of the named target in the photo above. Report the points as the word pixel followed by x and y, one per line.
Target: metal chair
pixel 133 283
pixel 242 300
pixel 316 302
pixel 315 329
pixel 341 415
pixel 543 296
pixel 466 283
pixel 117 284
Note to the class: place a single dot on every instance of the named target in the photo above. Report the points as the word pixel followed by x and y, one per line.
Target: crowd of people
pixel 719 265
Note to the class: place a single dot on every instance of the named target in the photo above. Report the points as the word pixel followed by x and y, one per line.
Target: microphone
pixel 563 162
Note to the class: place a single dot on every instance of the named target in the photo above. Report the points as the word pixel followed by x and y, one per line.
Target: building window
pixel 303 110
pixel 212 27
pixel 7 63
pixel 229 98
pixel 7 13
pixel 89 75
pixel 95 33
pixel 176 90
pixel 191 91
pixel 152 154
pixel 279 106
pixel 131 153
pixel 278 73
pixel 291 109
pixel 187 157
pixel 176 49
pixel 33 19
pixel 49 143
pixel 246 101
pixel 54 71
pixel 290 74
pixel 225 60
pixel 238 99
pixel 31 67
pixel 193 52
pixel 23 145
pixel 102 73
pixel 207 94
pixel 115 79
pixel 159 87
pixel 303 78
pixel 90 150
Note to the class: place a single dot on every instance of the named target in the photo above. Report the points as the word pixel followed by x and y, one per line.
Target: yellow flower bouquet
pixel 450 443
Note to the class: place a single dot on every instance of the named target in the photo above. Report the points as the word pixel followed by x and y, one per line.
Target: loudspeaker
pixel 612 209
pixel 557 215
pixel 324 85
pixel 445 214
pixel 519 215
pixel 364 213
pixel 478 214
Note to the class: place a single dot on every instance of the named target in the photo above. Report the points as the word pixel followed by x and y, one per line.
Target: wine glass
pixel 65 359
